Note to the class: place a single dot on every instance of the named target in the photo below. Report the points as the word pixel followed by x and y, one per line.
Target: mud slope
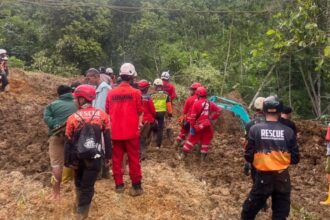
pixel 174 189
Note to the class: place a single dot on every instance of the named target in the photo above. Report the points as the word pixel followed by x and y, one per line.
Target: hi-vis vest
pixel 160 99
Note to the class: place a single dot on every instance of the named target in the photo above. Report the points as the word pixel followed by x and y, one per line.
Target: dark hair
pixel 63 89
pixel 286 110
pixel 74 85
pixel 92 71
pixel 102 69
pixel 126 78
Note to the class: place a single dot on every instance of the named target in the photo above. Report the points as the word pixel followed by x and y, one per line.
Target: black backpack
pixel 87 139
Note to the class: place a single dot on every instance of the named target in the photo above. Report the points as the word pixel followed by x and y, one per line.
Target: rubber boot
pixel 136 190
pixel 82 212
pixel 326 202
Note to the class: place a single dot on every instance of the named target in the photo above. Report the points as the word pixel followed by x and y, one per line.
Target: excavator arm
pixel 236 108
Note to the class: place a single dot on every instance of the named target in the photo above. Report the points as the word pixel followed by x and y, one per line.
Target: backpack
pixel 87 139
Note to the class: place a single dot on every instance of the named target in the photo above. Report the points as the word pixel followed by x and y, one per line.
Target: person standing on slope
pixel 149 115
pixel 93 77
pixel 55 116
pixel 203 115
pixel 163 106
pixel 83 151
pixel 258 117
pixel 124 105
pixel 186 111
pixel 167 86
pixel 271 148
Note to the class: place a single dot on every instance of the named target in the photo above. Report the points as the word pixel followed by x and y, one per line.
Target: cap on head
pixel 258 103
pixel 127 69
pixel 201 91
pixel 272 105
pixel 143 84
pixel 166 75
pixel 86 91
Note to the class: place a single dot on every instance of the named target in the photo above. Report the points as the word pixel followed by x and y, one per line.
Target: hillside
pixel 173 189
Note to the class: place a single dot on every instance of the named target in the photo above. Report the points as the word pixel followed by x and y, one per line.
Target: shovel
pixel 326 202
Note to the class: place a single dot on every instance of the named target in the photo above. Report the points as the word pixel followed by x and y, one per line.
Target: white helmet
pixel 158 82
pixel 127 69
pixel 258 103
pixel 165 75
pixel 109 71
pixel 3 51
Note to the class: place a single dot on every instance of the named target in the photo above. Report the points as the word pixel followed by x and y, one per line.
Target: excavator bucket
pixel 326 202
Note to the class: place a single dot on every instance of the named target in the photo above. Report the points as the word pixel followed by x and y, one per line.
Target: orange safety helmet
pixel 86 91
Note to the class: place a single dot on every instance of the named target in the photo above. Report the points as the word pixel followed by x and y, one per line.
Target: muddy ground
pixel 173 189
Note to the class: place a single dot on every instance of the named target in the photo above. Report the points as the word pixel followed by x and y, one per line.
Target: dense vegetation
pixel 229 44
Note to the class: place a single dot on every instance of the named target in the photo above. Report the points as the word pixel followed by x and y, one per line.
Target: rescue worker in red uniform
pixel 186 111
pixel 271 148
pixel 167 86
pixel 203 114
pixel 149 115
pixel 124 105
pixel 87 169
pixel 163 105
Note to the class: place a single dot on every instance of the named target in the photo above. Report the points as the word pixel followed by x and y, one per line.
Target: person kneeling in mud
pixel 83 150
pixel 149 115
pixel 203 114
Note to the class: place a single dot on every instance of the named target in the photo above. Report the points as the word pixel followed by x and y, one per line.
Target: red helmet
pixel 195 85
pixel 143 84
pixel 201 91
pixel 86 91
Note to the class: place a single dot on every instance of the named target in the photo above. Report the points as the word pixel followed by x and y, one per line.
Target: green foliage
pixel 196 40
pixel 15 62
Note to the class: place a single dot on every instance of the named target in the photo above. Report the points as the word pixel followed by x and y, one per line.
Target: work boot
pixel 120 188
pixel 82 212
pixel 136 190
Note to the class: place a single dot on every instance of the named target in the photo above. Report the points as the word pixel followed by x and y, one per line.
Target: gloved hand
pixel 247 169
pixel 192 131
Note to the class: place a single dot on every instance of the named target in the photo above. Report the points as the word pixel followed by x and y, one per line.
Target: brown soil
pixel 174 189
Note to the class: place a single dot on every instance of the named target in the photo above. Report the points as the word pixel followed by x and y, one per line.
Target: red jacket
pixel 202 111
pixel 327 137
pixel 189 104
pixel 170 89
pixel 149 111
pixel 124 105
